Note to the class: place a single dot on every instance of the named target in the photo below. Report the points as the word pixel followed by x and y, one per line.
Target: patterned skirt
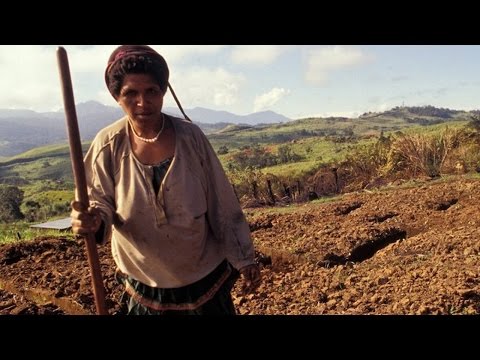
pixel 208 296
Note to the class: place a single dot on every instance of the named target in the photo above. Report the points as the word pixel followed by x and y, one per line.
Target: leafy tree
pixel 475 120
pixel 10 199
pixel 31 211
pixel 286 154
pixel 223 150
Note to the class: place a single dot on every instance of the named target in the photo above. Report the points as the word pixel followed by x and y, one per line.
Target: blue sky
pixel 293 80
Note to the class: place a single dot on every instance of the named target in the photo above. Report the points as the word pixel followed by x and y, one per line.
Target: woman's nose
pixel 141 100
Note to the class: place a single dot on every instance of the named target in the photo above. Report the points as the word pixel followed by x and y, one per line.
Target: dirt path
pixel 396 251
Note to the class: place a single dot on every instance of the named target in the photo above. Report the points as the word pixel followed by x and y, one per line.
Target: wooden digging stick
pixel 76 157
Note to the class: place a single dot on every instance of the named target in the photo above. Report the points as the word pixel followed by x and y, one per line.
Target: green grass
pixel 48 196
pixel 54 168
pixel 39 166
pixel 318 150
pixel 315 152
pixel 303 137
pixel 292 170
pixel 54 150
pixel 276 133
pixel 433 129
pixel 21 231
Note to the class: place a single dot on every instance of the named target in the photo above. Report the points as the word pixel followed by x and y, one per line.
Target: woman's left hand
pixel 251 278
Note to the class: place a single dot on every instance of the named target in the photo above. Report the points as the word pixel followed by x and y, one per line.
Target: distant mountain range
pixel 207 116
pixel 22 130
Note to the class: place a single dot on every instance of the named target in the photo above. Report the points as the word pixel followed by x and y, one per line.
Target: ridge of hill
pixel 52 161
pixel 22 130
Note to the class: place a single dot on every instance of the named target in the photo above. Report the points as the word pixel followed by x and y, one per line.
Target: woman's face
pixel 141 97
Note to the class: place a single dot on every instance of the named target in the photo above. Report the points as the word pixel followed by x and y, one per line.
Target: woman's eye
pixel 128 93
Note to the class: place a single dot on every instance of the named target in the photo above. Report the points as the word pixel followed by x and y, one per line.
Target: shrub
pixel 10 199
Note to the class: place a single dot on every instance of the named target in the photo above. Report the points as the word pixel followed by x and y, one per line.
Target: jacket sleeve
pixel 224 213
pixel 100 184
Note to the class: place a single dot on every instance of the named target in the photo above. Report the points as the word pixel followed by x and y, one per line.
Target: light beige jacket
pixel 177 237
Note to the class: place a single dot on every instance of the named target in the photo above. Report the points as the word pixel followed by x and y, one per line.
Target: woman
pixel 158 191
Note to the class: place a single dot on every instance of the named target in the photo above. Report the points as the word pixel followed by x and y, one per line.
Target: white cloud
pixel 322 61
pixel 96 57
pixel 382 107
pixel 257 54
pixel 347 114
pixel 192 85
pixel 30 73
pixel 268 99
pixel 178 53
pixel 205 87
pixel 89 59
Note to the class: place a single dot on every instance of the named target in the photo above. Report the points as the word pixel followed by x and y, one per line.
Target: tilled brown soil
pixel 396 251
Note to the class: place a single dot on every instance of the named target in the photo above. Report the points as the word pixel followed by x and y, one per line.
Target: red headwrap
pixel 139 50
pixel 146 51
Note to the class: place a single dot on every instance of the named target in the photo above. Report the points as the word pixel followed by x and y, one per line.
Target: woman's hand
pixel 85 221
pixel 251 278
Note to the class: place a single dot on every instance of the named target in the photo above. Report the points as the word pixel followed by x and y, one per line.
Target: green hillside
pixel 314 140
pixel 368 124
pixel 51 162
pixel 44 174
pixel 291 152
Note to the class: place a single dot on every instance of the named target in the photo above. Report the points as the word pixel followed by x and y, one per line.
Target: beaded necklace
pixel 151 140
